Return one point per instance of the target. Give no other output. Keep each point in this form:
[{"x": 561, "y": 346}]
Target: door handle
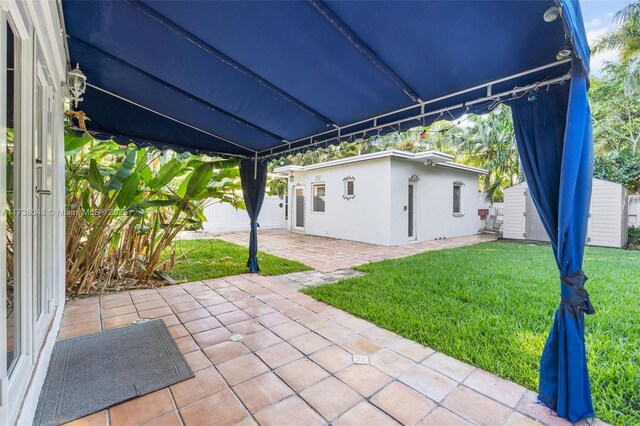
[{"x": 43, "y": 191}]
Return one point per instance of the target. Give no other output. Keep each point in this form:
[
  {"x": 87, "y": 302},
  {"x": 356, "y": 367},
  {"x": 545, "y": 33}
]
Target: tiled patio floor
[
  {"x": 330, "y": 254},
  {"x": 295, "y": 365}
]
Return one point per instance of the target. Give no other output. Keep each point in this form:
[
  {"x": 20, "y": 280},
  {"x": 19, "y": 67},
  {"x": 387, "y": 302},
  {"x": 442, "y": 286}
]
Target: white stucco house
[{"x": 388, "y": 198}]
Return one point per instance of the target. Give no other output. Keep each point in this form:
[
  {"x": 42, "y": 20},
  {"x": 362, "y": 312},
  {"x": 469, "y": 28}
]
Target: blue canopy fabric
[
  {"x": 555, "y": 142},
  {"x": 262, "y": 79},
  {"x": 253, "y": 174},
  {"x": 236, "y": 78}
]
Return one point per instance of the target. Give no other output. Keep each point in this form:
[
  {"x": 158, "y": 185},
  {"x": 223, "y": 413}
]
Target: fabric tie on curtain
[
  {"x": 253, "y": 175},
  {"x": 555, "y": 143}
]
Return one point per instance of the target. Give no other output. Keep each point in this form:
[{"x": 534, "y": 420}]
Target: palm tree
[
  {"x": 627, "y": 37},
  {"x": 490, "y": 143}
]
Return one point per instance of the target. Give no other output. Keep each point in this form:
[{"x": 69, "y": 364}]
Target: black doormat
[{"x": 90, "y": 373}]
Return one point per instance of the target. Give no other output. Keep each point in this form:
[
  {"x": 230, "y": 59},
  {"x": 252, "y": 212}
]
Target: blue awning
[
  {"x": 259, "y": 79},
  {"x": 247, "y": 78}
]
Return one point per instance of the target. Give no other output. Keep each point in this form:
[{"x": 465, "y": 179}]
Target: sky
[{"x": 598, "y": 19}]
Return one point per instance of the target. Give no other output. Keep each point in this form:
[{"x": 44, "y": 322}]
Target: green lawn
[
  {"x": 213, "y": 258},
  {"x": 492, "y": 305}
]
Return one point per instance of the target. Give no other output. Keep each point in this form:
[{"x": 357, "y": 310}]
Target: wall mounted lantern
[{"x": 77, "y": 83}]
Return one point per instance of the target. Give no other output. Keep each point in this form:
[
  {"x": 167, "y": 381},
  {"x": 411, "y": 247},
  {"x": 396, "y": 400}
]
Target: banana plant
[{"x": 126, "y": 205}]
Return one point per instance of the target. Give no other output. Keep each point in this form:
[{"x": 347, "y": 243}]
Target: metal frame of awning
[
  {"x": 316, "y": 140},
  {"x": 340, "y": 133}
]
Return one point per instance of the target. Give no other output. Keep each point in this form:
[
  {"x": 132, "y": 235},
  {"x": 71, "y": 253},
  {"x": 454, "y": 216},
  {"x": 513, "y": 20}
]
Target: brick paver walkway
[
  {"x": 295, "y": 365},
  {"x": 330, "y": 254}
]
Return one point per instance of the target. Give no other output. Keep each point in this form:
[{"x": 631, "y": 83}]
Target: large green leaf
[
  {"x": 155, "y": 203},
  {"x": 128, "y": 191},
  {"x": 96, "y": 181},
  {"x": 124, "y": 171},
  {"x": 199, "y": 180},
  {"x": 166, "y": 173},
  {"x": 86, "y": 205},
  {"x": 74, "y": 143}
]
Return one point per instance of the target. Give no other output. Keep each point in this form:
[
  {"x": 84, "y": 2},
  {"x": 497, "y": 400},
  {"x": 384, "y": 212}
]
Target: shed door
[{"x": 535, "y": 231}]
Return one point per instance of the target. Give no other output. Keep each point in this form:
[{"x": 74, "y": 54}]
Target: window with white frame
[
  {"x": 318, "y": 197},
  {"x": 457, "y": 198},
  {"x": 349, "y": 188}
]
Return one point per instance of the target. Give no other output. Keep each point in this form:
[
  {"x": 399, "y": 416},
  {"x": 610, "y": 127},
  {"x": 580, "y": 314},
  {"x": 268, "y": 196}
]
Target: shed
[{"x": 608, "y": 215}]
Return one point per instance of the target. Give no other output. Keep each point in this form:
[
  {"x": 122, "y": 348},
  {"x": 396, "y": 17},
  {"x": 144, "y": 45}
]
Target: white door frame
[
  {"x": 411, "y": 210},
  {"x": 294, "y": 223}
]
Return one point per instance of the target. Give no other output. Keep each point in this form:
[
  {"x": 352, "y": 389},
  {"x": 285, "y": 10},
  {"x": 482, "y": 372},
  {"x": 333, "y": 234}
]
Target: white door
[
  {"x": 299, "y": 205},
  {"x": 411, "y": 214}
]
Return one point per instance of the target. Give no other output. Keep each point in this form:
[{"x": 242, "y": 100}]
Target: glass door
[{"x": 11, "y": 291}]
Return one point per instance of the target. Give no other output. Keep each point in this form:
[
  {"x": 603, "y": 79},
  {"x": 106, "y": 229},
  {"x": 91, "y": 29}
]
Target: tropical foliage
[
  {"x": 483, "y": 141},
  {"x": 127, "y": 204}
]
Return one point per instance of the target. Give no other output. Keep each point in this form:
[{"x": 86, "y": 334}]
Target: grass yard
[
  {"x": 214, "y": 258},
  {"x": 492, "y": 305}
]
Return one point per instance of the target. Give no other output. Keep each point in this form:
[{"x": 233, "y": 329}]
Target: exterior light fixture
[
  {"x": 77, "y": 83},
  {"x": 551, "y": 14},
  {"x": 564, "y": 53}
]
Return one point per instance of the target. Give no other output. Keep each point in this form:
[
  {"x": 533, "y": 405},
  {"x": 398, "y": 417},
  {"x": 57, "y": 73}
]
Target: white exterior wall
[
  {"x": 433, "y": 195},
  {"x": 515, "y": 201},
  {"x": 362, "y": 218},
  {"x": 377, "y": 213},
  {"x": 222, "y": 217},
  {"x": 40, "y": 54}
]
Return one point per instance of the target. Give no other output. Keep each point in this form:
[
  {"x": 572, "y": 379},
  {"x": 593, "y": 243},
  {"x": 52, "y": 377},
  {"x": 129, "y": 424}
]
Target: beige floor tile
[
  {"x": 261, "y": 339},
  {"x": 359, "y": 345},
  {"x": 225, "y": 351},
  {"x": 289, "y": 330},
  {"x": 280, "y": 414},
  {"x": 262, "y": 392},
  {"x": 448, "y": 366},
  {"x": 333, "y": 358},
  {"x": 242, "y": 368},
  {"x": 391, "y": 362},
  {"x": 221, "y": 409},
  {"x": 517, "y": 419},
  {"x": 444, "y": 417},
  {"x": 211, "y": 337},
  {"x": 142, "y": 409},
  {"x": 197, "y": 360},
  {"x": 279, "y": 354},
  {"x": 245, "y": 327},
  {"x": 96, "y": 419},
  {"x": 504, "y": 391},
  {"x": 334, "y": 332},
  {"x": 171, "y": 419},
  {"x": 202, "y": 324},
  {"x": 301, "y": 374},
  {"x": 380, "y": 336},
  {"x": 410, "y": 349},
  {"x": 193, "y": 315},
  {"x": 309, "y": 342},
  {"x": 205, "y": 383},
  {"x": 476, "y": 407},
  {"x": 364, "y": 414},
  {"x": 366, "y": 379},
  {"x": 428, "y": 382},
  {"x": 232, "y": 317},
  {"x": 330, "y": 397},
  {"x": 403, "y": 403}
]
